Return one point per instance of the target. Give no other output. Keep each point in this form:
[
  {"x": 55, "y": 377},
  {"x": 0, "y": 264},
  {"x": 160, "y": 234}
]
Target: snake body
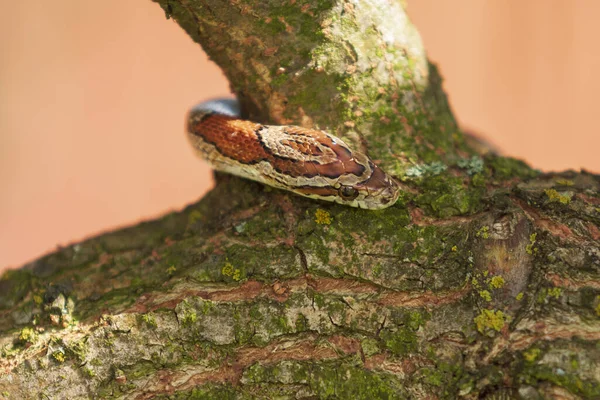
[{"x": 308, "y": 162}]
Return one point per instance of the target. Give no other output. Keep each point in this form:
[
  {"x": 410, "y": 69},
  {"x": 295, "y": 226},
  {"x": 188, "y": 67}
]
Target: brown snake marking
[{"x": 308, "y": 162}]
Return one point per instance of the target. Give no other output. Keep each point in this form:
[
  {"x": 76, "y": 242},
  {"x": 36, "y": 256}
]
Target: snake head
[{"x": 308, "y": 162}]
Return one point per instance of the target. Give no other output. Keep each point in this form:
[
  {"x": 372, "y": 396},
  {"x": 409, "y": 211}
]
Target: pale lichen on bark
[{"x": 483, "y": 281}]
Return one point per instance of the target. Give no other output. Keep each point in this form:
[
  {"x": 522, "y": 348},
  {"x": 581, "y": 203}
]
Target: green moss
[
  {"x": 398, "y": 242},
  {"x": 531, "y": 354},
  {"x": 301, "y": 323},
  {"x": 370, "y": 347},
  {"x": 519, "y": 296},
  {"x": 483, "y": 232},
  {"x": 489, "y": 319},
  {"x": 544, "y": 293},
  {"x": 401, "y": 342},
  {"x": 564, "y": 182},
  {"x": 541, "y": 296},
  {"x": 323, "y": 380},
  {"x": 189, "y": 318},
  {"x": 597, "y": 308},
  {"x": 28, "y": 335},
  {"x": 228, "y": 269},
  {"x": 486, "y": 295},
  {"x": 446, "y": 195},
  {"x": 280, "y": 323},
  {"x": 59, "y": 356},
  {"x": 314, "y": 96},
  {"x": 207, "y": 307},
  {"x": 556, "y": 197},
  {"x": 446, "y": 376},
  {"x": 194, "y": 216},
  {"x": 509, "y": 168},
  {"x": 433, "y": 376},
  {"x": 574, "y": 363},
  {"x": 572, "y": 382},
  {"x": 478, "y": 180},
  {"x": 415, "y": 319},
  {"x": 554, "y": 292},
  {"x": 37, "y": 299},
  {"x": 211, "y": 391},
  {"x": 78, "y": 349},
  {"x": 404, "y": 340},
  {"x": 237, "y": 275},
  {"x": 95, "y": 362},
  {"x": 262, "y": 263},
  {"x": 322, "y": 217},
  {"x": 529, "y": 248},
  {"x": 149, "y": 320},
  {"x": 497, "y": 282},
  {"x": 171, "y": 270},
  {"x": 387, "y": 223}
]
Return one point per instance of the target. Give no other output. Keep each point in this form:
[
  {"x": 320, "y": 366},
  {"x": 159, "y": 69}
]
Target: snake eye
[{"x": 348, "y": 192}]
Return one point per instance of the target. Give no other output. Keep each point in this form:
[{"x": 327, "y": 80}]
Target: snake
[{"x": 308, "y": 162}]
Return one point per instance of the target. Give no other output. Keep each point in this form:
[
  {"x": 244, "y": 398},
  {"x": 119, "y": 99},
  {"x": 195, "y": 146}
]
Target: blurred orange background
[{"x": 93, "y": 96}]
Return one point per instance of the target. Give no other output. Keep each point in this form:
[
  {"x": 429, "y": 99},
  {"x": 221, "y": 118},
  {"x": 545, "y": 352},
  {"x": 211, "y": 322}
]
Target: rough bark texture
[{"x": 483, "y": 281}]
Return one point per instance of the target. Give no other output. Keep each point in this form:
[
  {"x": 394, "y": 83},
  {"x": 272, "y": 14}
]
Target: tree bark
[{"x": 483, "y": 281}]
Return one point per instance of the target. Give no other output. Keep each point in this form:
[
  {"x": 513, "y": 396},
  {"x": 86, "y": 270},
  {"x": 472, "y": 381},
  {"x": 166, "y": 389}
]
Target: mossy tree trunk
[{"x": 483, "y": 280}]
